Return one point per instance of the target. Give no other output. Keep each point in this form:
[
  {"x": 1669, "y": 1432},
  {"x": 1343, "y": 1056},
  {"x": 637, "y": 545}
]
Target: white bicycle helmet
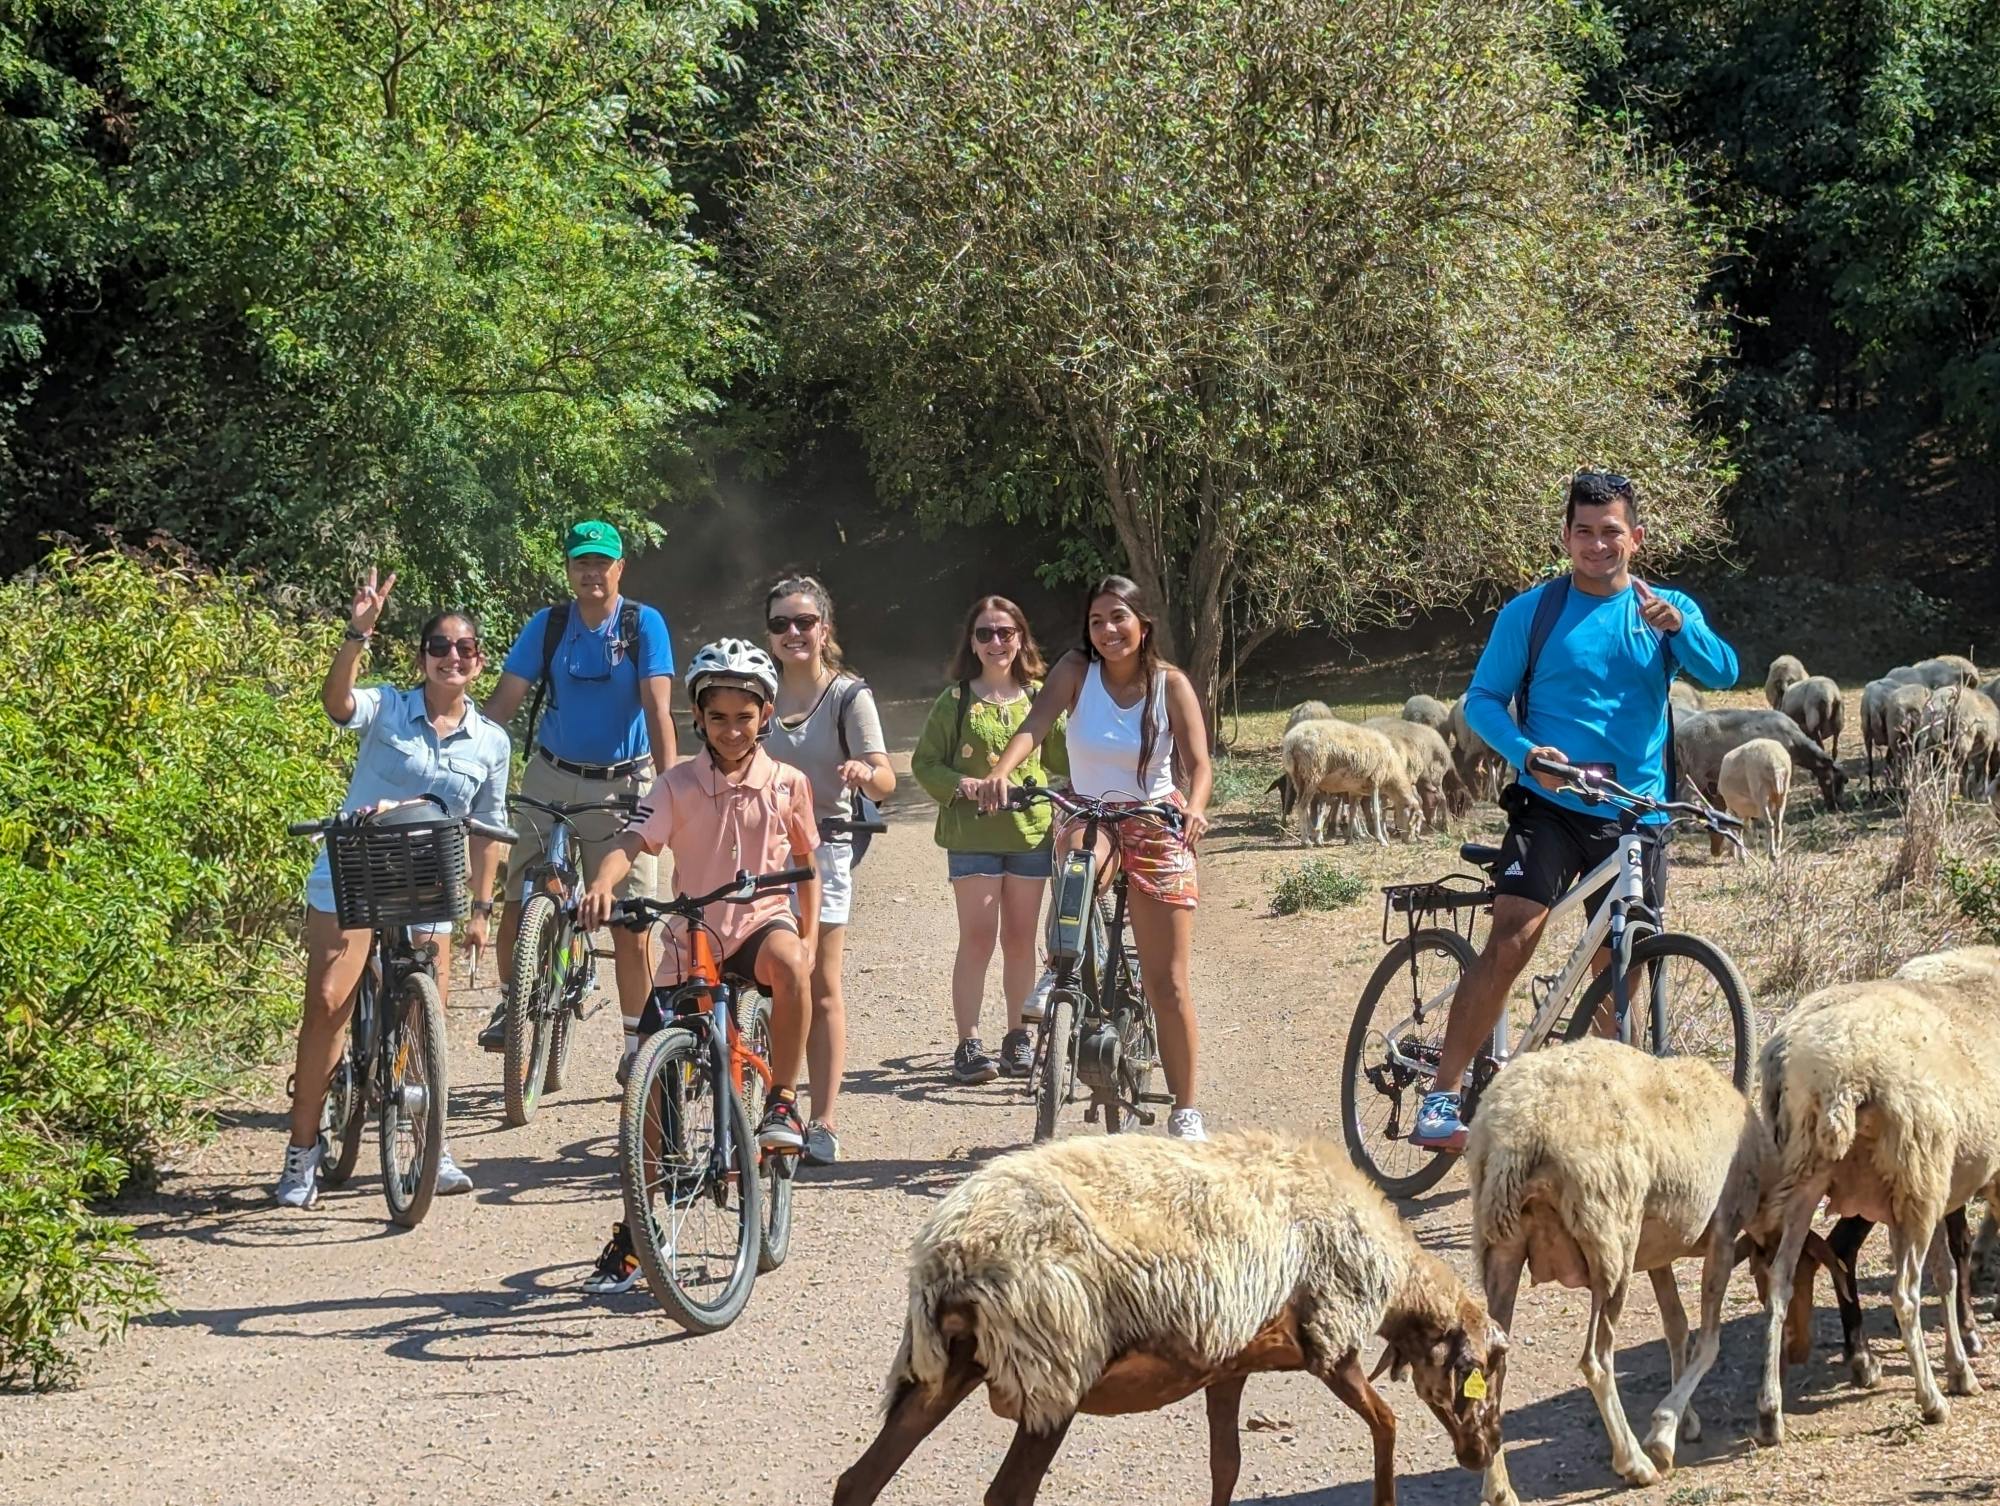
[{"x": 735, "y": 663}]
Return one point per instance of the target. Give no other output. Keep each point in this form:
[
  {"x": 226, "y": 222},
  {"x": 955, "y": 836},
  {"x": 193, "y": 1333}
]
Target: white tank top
[{"x": 1104, "y": 741}]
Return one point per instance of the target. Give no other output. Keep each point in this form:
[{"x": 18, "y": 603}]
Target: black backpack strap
[
  {"x": 1549, "y": 601},
  {"x": 628, "y": 626},
  {"x": 553, "y": 629}
]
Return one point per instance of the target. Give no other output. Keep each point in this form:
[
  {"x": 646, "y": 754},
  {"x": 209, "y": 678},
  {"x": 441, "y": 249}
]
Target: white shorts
[{"x": 834, "y": 862}]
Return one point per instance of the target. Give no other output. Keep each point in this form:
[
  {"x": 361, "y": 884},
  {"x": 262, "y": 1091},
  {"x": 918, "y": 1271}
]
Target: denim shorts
[{"x": 1028, "y": 865}]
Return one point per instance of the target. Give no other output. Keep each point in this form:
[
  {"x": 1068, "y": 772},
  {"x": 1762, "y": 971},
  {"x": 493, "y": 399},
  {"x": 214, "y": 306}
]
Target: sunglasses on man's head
[
  {"x": 805, "y": 622},
  {"x": 437, "y": 646},
  {"x": 993, "y": 634}
]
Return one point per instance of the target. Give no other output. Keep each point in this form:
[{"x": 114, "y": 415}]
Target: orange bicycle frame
[{"x": 706, "y": 969}]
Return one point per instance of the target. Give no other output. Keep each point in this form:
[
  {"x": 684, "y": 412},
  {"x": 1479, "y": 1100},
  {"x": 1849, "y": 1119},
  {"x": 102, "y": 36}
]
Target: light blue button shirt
[{"x": 402, "y": 757}]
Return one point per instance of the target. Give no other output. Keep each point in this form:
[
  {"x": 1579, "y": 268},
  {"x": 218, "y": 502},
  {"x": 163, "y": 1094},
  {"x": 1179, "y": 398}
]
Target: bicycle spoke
[
  {"x": 1697, "y": 1012},
  {"x": 698, "y": 1233}
]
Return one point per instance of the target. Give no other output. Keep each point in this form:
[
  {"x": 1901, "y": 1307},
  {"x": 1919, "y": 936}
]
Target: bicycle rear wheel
[
  {"x": 344, "y": 1119},
  {"x": 1057, "y": 1078},
  {"x": 1379, "y": 1094},
  {"x": 413, "y": 1107},
  {"x": 534, "y": 986},
  {"x": 695, "y": 1223},
  {"x": 774, "y": 1171},
  {"x": 1706, "y": 1008}
]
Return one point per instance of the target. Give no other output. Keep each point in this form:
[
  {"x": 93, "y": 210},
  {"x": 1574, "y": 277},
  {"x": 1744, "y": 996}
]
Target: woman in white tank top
[{"x": 1129, "y": 715}]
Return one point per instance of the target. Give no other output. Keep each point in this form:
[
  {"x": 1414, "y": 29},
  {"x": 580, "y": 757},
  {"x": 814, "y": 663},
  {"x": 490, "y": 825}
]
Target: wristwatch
[
  {"x": 482, "y": 907},
  {"x": 353, "y": 637}
]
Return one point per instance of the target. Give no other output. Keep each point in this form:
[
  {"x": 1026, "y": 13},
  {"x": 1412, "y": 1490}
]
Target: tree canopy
[
  {"x": 301, "y": 281},
  {"x": 1311, "y": 304}
]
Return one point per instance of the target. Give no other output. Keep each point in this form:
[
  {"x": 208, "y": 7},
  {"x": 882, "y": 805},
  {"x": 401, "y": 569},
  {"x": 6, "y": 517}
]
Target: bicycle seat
[{"x": 1479, "y": 855}]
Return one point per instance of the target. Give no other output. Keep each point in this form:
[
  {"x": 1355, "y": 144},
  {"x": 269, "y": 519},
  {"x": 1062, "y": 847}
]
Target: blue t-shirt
[
  {"x": 592, "y": 713},
  {"x": 1600, "y": 686}
]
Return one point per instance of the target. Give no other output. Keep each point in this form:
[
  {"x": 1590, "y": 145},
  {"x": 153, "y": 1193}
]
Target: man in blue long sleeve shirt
[{"x": 1599, "y": 695}]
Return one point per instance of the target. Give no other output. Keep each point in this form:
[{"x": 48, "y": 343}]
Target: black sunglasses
[
  {"x": 805, "y": 622},
  {"x": 437, "y": 646},
  {"x": 989, "y": 634}
]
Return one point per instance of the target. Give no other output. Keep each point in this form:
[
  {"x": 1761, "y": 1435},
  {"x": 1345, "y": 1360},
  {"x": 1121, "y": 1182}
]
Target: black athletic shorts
[
  {"x": 740, "y": 964},
  {"x": 1548, "y": 847}
]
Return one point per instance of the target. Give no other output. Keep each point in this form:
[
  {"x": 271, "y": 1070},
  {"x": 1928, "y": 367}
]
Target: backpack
[
  {"x": 865, "y": 808},
  {"x": 1549, "y": 602},
  {"x": 552, "y": 636}
]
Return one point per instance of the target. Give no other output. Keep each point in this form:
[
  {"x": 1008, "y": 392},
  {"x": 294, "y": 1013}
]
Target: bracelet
[{"x": 353, "y": 637}]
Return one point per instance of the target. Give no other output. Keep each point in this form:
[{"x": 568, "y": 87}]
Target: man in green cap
[{"x": 603, "y": 669}]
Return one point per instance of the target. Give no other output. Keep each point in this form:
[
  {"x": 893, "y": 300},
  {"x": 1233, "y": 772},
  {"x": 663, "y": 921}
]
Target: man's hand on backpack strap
[{"x": 1657, "y": 610}]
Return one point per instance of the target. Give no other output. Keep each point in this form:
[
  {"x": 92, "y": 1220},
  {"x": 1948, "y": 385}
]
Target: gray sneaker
[
  {"x": 1037, "y": 1003},
  {"x": 822, "y": 1145},
  {"x": 451, "y": 1176},
  {"x": 298, "y": 1183},
  {"x": 493, "y": 1037},
  {"x": 970, "y": 1063},
  {"x": 1017, "y": 1054}
]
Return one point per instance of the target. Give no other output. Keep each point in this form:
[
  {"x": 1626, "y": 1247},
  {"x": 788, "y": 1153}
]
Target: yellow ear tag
[{"x": 1475, "y": 1387}]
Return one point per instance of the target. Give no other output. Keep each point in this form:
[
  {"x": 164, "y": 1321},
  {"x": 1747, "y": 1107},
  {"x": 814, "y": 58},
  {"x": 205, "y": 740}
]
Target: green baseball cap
[{"x": 593, "y": 538}]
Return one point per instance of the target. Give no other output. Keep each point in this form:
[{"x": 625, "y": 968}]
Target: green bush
[
  {"x": 1315, "y": 884},
  {"x": 1976, "y": 888},
  {"x": 158, "y": 726}
]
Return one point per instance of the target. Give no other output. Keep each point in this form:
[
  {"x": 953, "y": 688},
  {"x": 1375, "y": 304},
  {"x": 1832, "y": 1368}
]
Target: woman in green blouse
[{"x": 999, "y": 862}]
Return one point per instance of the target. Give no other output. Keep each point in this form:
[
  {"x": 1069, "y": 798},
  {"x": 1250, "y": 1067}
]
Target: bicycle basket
[{"x": 410, "y": 874}]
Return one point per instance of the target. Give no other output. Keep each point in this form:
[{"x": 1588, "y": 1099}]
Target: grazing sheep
[
  {"x": 1701, "y": 742},
  {"x": 1906, "y": 674},
  {"x": 1947, "y": 669},
  {"x": 1785, "y": 672},
  {"x": 1875, "y": 697},
  {"x": 1428, "y": 711},
  {"x": 1815, "y": 704},
  {"x": 1426, "y": 759},
  {"x": 1880, "y": 1097},
  {"x": 1902, "y": 723},
  {"x": 1121, "y": 1274},
  {"x": 1755, "y": 781},
  {"x": 1339, "y": 758},
  {"x": 1684, "y": 696},
  {"x": 1309, "y": 711},
  {"x": 1586, "y": 1199},
  {"x": 1963, "y": 726},
  {"x": 1479, "y": 768},
  {"x": 1305, "y": 711}
]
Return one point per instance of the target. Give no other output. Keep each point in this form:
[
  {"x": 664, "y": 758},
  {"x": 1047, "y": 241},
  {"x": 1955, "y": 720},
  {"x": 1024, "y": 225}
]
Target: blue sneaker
[{"x": 1437, "y": 1123}]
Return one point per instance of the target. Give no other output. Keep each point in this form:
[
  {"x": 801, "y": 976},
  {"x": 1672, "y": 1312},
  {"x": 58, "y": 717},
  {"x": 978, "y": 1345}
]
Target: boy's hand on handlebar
[
  {"x": 594, "y": 908},
  {"x": 1540, "y": 756}
]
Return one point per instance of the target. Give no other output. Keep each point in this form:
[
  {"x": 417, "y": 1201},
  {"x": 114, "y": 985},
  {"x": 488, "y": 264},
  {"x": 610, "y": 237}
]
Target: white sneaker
[
  {"x": 1185, "y": 1124},
  {"x": 1038, "y": 997},
  {"x": 298, "y": 1185},
  {"x": 451, "y": 1176}
]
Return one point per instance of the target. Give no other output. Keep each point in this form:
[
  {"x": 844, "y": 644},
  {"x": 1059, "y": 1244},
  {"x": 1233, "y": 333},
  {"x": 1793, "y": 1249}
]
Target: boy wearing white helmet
[{"x": 728, "y": 809}]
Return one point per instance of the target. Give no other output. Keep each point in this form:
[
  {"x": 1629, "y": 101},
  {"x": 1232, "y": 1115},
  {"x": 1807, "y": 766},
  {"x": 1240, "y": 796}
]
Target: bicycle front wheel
[
  {"x": 413, "y": 1104},
  {"x": 694, "y": 1213},
  {"x": 562, "y": 1029},
  {"x": 1704, "y": 1004},
  {"x": 1057, "y": 1078},
  {"x": 534, "y": 987},
  {"x": 774, "y": 1170},
  {"x": 1392, "y": 1055}
]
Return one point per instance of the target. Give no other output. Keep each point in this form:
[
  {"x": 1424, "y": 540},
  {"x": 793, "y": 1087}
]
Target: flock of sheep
[
  {"x": 1426, "y": 765},
  {"x": 1125, "y": 1273}
]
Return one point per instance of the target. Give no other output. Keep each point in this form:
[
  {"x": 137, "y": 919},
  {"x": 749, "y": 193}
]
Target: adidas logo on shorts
[{"x": 1513, "y": 870}]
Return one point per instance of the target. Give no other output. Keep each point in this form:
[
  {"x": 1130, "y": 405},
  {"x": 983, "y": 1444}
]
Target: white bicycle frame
[{"x": 1625, "y": 871}]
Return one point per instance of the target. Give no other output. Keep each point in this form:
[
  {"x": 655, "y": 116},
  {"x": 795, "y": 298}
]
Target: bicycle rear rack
[{"x": 1458, "y": 896}]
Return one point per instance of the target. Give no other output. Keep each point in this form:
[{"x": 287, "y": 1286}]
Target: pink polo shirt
[{"x": 715, "y": 828}]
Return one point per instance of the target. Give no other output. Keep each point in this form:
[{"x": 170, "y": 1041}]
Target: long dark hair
[
  {"x": 830, "y": 656},
  {"x": 1150, "y": 662},
  {"x": 1027, "y": 666},
  {"x": 436, "y": 621}
]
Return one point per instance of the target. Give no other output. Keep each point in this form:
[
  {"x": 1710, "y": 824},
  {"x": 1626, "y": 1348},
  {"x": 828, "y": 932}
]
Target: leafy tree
[
  {"x": 306, "y": 281},
  {"x": 1310, "y": 304}
]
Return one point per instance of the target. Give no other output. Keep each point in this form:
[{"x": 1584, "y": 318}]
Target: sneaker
[
  {"x": 1185, "y": 1124},
  {"x": 298, "y": 1184},
  {"x": 625, "y": 1067},
  {"x": 970, "y": 1063},
  {"x": 1437, "y": 1123},
  {"x": 781, "y": 1129},
  {"x": 451, "y": 1176},
  {"x": 494, "y": 1036},
  {"x": 1017, "y": 1054},
  {"x": 617, "y": 1269},
  {"x": 822, "y": 1145},
  {"x": 1038, "y": 998}
]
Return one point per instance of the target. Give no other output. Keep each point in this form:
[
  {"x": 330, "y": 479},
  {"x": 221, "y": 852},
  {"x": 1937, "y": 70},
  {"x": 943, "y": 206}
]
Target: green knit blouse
[{"x": 939, "y": 764}]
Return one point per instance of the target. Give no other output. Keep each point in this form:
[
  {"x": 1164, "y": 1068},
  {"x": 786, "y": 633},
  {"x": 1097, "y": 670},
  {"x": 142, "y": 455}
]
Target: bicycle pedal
[
  {"x": 604, "y": 953},
  {"x": 1155, "y": 1098},
  {"x": 1090, "y": 1114},
  {"x": 1145, "y": 1116}
]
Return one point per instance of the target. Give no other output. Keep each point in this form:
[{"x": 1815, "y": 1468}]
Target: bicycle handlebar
[
  {"x": 1593, "y": 785},
  {"x": 1170, "y": 816},
  {"x": 473, "y": 825},
  {"x": 637, "y": 914},
  {"x": 623, "y": 805},
  {"x": 833, "y": 825}
]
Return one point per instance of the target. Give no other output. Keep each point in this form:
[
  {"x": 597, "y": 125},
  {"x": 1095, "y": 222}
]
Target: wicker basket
[{"x": 406, "y": 875}]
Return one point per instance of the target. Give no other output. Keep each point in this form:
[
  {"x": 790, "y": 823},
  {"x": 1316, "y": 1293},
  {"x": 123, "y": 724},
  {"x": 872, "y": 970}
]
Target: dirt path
[{"x": 324, "y": 1357}]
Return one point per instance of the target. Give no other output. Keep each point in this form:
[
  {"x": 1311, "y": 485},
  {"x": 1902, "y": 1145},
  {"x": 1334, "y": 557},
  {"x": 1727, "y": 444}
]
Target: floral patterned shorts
[{"x": 1157, "y": 862}]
